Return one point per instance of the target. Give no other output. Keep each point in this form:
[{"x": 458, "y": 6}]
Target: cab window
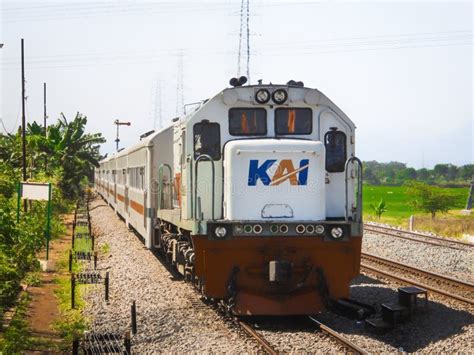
[
  {"x": 293, "y": 121},
  {"x": 247, "y": 121},
  {"x": 336, "y": 154},
  {"x": 207, "y": 139}
]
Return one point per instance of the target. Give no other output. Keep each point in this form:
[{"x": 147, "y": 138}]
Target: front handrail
[
  {"x": 160, "y": 183},
  {"x": 358, "y": 215},
  {"x": 198, "y": 160}
]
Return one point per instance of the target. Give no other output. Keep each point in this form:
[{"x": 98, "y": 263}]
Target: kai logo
[{"x": 285, "y": 171}]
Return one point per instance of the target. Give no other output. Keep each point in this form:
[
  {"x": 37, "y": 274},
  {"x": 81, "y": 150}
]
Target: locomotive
[{"x": 255, "y": 196}]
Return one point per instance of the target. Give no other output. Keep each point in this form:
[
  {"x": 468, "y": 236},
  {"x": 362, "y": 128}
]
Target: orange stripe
[
  {"x": 121, "y": 197},
  {"x": 136, "y": 206}
]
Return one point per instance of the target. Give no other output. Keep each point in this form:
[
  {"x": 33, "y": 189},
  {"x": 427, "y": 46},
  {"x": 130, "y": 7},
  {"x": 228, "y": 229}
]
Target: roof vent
[{"x": 146, "y": 134}]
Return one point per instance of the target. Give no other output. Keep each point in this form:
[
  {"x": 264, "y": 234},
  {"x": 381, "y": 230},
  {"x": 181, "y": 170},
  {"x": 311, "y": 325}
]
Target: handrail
[
  {"x": 160, "y": 183},
  {"x": 198, "y": 160},
  {"x": 359, "y": 188}
]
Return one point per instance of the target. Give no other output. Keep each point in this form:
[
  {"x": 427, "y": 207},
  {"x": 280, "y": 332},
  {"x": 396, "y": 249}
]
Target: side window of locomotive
[
  {"x": 293, "y": 121},
  {"x": 336, "y": 153},
  {"x": 247, "y": 121},
  {"x": 207, "y": 139}
]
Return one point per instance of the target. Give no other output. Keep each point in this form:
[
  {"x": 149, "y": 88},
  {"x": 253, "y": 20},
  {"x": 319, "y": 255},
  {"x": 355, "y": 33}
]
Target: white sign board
[{"x": 35, "y": 191}]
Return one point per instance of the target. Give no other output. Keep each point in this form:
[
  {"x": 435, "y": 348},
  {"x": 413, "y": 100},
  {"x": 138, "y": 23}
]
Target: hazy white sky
[{"x": 403, "y": 71}]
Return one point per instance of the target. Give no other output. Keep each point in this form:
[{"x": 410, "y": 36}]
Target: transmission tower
[
  {"x": 157, "y": 109},
  {"x": 180, "y": 87},
  {"x": 244, "y": 38}
]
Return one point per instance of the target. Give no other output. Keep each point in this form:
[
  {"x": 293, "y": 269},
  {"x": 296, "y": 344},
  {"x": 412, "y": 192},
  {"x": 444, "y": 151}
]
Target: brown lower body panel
[{"x": 240, "y": 268}]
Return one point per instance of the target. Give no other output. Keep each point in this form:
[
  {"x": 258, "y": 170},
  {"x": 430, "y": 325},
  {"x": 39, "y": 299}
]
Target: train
[{"x": 253, "y": 195}]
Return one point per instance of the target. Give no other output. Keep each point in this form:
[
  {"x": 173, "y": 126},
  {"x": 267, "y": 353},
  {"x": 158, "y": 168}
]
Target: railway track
[
  {"x": 251, "y": 332},
  {"x": 418, "y": 237},
  {"x": 331, "y": 333},
  {"x": 444, "y": 285},
  {"x": 349, "y": 345}
]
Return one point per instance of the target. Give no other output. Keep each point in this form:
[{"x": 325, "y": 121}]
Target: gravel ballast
[
  {"x": 167, "y": 320},
  {"x": 451, "y": 262},
  {"x": 170, "y": 322}
]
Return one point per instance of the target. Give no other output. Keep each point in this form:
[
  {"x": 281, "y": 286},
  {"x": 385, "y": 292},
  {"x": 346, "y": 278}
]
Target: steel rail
[
  {"x": 417, "y": 283},
  {"x": 393, "y": 231},
  {"x": 442, "y": 277},
  {"x": 261, "y": 340},
  {"x": 339, "y": 337}
]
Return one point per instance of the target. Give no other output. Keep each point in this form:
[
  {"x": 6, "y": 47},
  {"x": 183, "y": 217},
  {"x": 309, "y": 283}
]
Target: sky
[{"x": 402, "y": 71}]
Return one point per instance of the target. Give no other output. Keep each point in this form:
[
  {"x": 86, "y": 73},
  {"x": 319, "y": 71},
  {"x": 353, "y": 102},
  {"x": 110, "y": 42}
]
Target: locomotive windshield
[
  {"x": 207, "y": 139},
  {"x": 293, "y": 121},
  {"x": 247, "y": 121}
]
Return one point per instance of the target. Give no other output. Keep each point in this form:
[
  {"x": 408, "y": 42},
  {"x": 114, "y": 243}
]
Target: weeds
[{"x": 105, "y": 248}]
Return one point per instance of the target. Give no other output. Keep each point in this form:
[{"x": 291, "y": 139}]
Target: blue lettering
[{"x": 259, "y": 172}]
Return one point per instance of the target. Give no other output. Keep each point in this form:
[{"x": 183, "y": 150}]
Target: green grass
[{"x": 399, "y": 207}]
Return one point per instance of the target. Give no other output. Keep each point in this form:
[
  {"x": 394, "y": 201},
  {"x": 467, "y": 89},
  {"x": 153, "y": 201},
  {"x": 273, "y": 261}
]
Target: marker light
[
  {"x": 257, "y": 229},
  {"x": 274, "y": 228},
  {"x": 310, "y": 229},
  {"x": 279, "y": 96},
  {"x": 300, "y": 228},
  {"x": 284, "y": 228},
  {"x": 262, "y": 96},
  {"x": 239, "y": 229},
  {"x": 220, "y": 232},
  {"x": 337, "y": 232},
  {"x": 248, "y": 228}
]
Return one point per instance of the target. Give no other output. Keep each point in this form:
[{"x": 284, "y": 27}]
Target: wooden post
[
  {"x": 411, "y": 223},
  {"x": 134, "y": 318},
  {"x": 73, "y": 291},
  {"x": 70, "y": 260},
  {"x": 127, "y": 343},
  {"x": 107, "y": 286},
  {"x": 75, "y": 346}
]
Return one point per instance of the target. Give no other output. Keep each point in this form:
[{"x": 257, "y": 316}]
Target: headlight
[
  {"x": 239, "y": 229},
  {"x": 262, "y": 96},
  {"x": 319, "y": 229},
  {"x": 220, "y": 232},
  {"x": 279, "y": 96},
  {"x": 337, "y": 232}
]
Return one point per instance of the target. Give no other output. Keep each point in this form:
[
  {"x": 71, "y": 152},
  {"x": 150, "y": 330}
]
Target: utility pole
[
  {"x": 23, "y": 118},
  {"x": 44, "y": 104},
  {"x": 118, "y": 123}
]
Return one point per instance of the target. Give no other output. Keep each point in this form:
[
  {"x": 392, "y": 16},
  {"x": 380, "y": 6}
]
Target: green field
[{"x": 398, "y": 202}]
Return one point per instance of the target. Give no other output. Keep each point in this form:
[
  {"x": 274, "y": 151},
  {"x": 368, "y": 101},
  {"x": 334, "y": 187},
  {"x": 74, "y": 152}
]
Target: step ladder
[{"x": 396, "y": 313}]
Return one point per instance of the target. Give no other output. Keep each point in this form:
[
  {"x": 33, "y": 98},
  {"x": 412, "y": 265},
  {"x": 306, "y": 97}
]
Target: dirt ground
[{"x": 43, "y": 308}]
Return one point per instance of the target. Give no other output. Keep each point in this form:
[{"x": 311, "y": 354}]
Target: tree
[
  {"x": 430, "y": 199},
  {"x": 379, "y": 209},
  {"x": 66, "y": 152},
  {"x": 423, "y": 174},
  {"x": 441, "y": 170}
]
